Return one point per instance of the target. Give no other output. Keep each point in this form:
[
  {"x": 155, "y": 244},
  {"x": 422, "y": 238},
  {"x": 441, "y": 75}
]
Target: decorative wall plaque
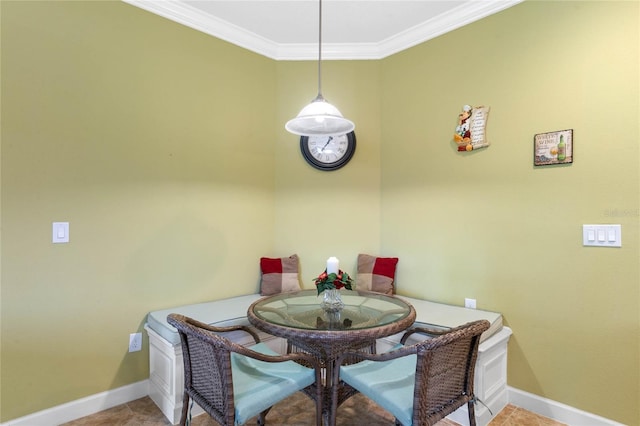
[
  {"x": 553, "y": 148},
  {"x": 471, "y": 129}
]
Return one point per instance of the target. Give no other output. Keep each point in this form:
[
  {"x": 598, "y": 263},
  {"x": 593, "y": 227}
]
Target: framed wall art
[
  {"x": 470, "y": 132},
  {"x": 553, "y": 148}
]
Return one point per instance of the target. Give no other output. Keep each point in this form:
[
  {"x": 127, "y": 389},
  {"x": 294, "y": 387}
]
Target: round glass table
[
  {"x": 296, "y": 312},
  {"x": 300, "y": 318}
]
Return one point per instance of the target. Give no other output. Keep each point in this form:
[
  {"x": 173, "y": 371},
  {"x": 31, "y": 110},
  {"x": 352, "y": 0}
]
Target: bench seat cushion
[
  {"x": 439, "y": 314},
  {"x": 232, "y": 310}
]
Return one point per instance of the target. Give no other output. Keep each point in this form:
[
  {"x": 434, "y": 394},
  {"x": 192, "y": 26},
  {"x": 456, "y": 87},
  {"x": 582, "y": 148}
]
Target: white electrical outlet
[
  {"x": 469, "y": 303},
  {"x": 135, "y": 342}
]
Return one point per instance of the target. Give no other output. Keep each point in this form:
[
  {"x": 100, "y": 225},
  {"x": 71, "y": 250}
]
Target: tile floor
[{"x": 296, "y": 411}]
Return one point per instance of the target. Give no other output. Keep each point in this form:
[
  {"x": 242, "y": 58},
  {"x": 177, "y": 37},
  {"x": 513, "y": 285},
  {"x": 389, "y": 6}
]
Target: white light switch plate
[
  {"x": 602, "y": 235},
  {"x": 60, "y": 232}
]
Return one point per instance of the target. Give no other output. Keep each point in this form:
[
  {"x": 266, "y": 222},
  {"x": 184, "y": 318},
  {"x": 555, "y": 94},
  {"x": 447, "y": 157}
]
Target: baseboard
[
  {"x": 105, "y": 400},
  {"x": 83, "y": 407},
  {"x": 556, "y": 410}
]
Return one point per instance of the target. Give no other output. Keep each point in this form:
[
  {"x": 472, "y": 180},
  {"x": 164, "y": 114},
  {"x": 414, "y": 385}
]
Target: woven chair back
[
  {"x": 444, "y": 373},
  {"x": 207, "y": 368}
]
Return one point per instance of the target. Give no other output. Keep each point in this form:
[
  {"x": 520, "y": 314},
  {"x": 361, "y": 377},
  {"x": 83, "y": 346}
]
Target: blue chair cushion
[
  {"x": 390, "y": 384},
  {"x": 257, "y": 385}
]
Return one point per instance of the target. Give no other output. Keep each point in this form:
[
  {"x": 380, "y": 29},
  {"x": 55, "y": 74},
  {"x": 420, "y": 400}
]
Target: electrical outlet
[
  {"x": 135, "y": 342},
  {"x": 469, "y": 303}
]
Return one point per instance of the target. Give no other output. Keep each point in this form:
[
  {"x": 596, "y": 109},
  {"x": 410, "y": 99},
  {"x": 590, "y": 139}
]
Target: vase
[{"x": 331, "y": 301}]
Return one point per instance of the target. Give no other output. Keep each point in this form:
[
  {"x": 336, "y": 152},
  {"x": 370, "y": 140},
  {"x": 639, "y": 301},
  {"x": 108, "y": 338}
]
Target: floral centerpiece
[{"x": 333, "y": 281}]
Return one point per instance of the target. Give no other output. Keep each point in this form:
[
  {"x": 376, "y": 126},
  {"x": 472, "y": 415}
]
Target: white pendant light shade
[{"x": 319, "y": 118}]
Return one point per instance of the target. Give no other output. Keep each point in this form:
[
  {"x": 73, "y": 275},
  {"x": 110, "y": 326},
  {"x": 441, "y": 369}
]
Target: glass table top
[{"x": 302, "y": 310}]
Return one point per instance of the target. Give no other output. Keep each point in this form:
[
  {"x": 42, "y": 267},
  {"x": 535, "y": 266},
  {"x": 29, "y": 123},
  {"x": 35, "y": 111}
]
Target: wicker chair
[
  {"x": 233, "y": 383},
  {"x": 421, "y": 383}
]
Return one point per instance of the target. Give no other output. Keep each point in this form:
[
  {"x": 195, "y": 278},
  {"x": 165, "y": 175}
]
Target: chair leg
[
  {"x": 472, "y": 412},
  {"x": 319, "y": 410},
  {"x": 262, "y": 417},
  {"x": 185, "y": 409}
]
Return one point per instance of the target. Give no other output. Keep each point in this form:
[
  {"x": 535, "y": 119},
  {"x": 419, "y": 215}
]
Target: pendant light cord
[
  {"x": 319, "y": 118},
  {"x": 320, "y": 49}
]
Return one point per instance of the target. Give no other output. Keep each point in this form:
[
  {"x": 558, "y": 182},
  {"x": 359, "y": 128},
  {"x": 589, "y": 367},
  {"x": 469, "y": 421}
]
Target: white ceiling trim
[
  {"x": 193, "y": 18},
  {"x": 438, "y": 25},
  {"x": 460, "y": 16}
]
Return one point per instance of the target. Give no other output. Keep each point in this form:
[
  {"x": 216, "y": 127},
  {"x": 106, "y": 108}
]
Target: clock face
[{"x": 328, "y": 152}]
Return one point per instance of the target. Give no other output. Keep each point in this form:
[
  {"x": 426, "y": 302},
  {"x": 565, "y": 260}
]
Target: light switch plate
[
  {"x": 60, "y": 232},
  {"x": 602, "y": 235}
]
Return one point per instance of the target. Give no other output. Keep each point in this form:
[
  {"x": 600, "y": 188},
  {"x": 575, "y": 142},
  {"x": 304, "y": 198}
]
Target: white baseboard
[
  {"x": 83, "y": 407},
  {"x": 105, "y": 400},
  {"x": 555, "y": 410}
]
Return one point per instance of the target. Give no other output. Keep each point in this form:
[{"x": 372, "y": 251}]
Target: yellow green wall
[
  {"x": 156, "y": 143},
  {"x": 321, "y": 214},
  {"x": 165, "y": 150},
  {"x": 489, "y": 225}
]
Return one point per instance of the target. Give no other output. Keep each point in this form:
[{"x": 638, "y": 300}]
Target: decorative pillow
[
  {"x": 279, "y": 275},
  {"x": 376, "y": 273}
]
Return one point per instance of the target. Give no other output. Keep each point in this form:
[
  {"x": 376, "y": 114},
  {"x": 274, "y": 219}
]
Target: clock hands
[{"x": 325, "y": 145}]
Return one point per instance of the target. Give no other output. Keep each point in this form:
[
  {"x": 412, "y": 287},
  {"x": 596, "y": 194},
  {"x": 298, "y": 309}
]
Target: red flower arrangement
[{"x": 333, "y": 281}]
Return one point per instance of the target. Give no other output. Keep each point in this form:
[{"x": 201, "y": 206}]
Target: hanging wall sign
[
  {"x": 471, "y": 129},
  {"x": 553, "y": 148}
]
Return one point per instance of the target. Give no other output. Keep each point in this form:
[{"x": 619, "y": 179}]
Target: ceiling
[{"x": 351, "y": 29}]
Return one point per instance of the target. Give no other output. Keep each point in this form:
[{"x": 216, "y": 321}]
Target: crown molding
[
  {"x": 438, "y": 25},
  {"x": 182, "y": 13}
]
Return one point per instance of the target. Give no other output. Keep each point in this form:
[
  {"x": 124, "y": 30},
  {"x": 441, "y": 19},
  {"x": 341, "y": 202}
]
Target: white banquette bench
[{"x": 166, "y": 376}]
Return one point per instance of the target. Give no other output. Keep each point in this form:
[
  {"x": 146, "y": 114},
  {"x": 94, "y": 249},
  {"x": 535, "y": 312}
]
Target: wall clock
[{"x": 328, "y": 152}]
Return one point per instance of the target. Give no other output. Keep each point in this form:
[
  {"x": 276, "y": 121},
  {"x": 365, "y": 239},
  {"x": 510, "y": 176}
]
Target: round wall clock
[{"x": 328, "y": 152}]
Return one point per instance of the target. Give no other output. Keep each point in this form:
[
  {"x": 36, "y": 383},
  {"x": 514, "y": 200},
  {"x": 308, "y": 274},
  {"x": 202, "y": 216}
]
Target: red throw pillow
[
  {"x": 376, "y": 273},
  {"x": 279, "y": 275}
]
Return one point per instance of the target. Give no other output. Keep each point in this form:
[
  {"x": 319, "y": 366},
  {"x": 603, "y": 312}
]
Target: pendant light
[{"x": 319, "y": 118}]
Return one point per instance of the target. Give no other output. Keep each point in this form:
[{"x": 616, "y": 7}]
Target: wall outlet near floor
[
  {"x": 135, "y": 342},
  {"x": 469, "y": 303}
]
